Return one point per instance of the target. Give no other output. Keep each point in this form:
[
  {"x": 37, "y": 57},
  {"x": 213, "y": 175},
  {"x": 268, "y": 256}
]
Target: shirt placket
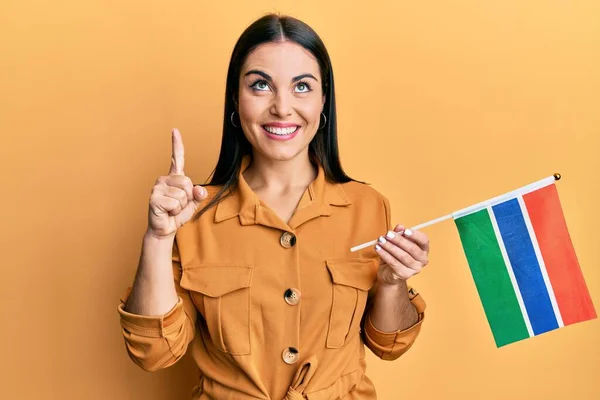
[{"x": 290, "y": 293}]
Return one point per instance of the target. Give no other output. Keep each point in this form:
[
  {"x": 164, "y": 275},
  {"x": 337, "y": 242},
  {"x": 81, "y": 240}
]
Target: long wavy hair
[{"x": 323, "y": 149}]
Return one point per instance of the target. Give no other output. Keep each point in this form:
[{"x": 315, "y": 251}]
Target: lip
[
  {"x": 278, "y": 137},
  {"x": 280, "y": 124}
]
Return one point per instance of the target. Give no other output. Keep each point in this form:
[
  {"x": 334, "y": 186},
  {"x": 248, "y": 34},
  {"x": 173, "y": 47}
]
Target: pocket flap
[
  {"x": 216, "y": 280},
  {"x": 360, "y": 273}
]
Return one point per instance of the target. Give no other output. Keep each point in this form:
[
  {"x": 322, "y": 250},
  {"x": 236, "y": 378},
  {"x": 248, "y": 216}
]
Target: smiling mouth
[{"x": 280, "y": 131}]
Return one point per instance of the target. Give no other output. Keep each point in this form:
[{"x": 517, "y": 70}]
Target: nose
[{"x": 282, "y": 104}]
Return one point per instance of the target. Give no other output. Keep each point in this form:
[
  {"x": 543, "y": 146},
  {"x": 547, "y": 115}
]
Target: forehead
[{"x": 283, "y": 59}]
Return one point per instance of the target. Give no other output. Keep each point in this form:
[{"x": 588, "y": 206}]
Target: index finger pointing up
[{"x": 177, "y": 158}]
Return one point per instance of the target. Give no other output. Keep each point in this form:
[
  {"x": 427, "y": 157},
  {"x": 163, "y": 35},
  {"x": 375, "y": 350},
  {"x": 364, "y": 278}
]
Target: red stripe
[{"x": 557, "y": 250}]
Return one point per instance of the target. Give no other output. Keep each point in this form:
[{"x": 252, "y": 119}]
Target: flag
[{"x": 523, "y": 263}]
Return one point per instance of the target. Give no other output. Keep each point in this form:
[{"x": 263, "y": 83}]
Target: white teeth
[{"x": 281, "y": 131}]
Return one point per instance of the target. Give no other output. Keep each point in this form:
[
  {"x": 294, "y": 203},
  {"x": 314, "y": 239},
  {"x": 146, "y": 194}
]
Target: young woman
[{"x": 253, "y": 271}]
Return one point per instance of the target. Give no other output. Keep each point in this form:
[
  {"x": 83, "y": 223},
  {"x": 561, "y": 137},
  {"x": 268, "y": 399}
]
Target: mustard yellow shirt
[{"x": 272, "y": 310}]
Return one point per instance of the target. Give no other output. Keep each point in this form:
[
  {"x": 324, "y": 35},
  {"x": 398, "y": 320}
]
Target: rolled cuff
[
  {"x": 149, "y": 325},
  {"x": 391, "y": 345}
]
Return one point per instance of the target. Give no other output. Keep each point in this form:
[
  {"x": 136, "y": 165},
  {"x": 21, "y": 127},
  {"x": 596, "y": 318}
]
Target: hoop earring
[
  {"x": 324, "y": 123},
  {"x": 231, "y": 118}
]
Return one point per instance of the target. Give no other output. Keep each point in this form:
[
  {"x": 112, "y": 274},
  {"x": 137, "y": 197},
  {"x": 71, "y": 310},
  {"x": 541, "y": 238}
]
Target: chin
[{"x": 282, "y": 154}]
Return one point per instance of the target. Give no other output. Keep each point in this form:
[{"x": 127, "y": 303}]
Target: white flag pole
[{"x": 525, "y": 189}]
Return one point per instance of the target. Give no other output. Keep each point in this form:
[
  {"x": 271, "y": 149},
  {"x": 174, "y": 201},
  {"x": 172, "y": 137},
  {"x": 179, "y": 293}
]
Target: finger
[
  {"x": 418, "y": 237},
  {"x": 177, "y": 156},
  {"x": 167, "y": 205},
  {"x": 182, "y": 182},
  {"x": 399, "y": 254},
  {"x": 400, "y": 270},
  {"x": 188, "y": 212},
  {"x": 407, "y": 245},
  {"x": 177, "y": 194}
]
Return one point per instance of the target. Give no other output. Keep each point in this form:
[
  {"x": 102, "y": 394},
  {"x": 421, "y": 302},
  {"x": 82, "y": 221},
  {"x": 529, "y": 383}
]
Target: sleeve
[
  {"x": 391, "y": 345},
  {"x": 156, "y": 342}
]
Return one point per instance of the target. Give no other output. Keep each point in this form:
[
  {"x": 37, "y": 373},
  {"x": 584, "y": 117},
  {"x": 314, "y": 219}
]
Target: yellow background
[{"x": 441, "y": 105}]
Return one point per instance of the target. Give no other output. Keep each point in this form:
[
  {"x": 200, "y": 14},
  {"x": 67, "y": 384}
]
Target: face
[{"x": 280, "y": 100}]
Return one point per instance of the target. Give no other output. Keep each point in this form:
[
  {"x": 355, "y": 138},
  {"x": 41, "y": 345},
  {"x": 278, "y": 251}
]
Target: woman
[{"x": 253, "y": 271}]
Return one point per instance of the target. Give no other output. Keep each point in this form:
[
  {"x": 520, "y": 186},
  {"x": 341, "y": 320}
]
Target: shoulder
[
  {"x": 369, "y": 203},
  {"x": 362, "y": 193}
]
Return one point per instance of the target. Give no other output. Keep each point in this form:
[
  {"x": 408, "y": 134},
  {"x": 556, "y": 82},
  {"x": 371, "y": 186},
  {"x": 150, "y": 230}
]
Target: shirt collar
[{"x": 246, "y": 205}]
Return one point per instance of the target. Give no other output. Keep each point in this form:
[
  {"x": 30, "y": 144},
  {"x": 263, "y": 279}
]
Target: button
[
  {"x": 290, "y": 355},
  {"x": 411, "y": 293},
  {"x": 292, "y": 296},
  {"x": 288, "y": 240}
]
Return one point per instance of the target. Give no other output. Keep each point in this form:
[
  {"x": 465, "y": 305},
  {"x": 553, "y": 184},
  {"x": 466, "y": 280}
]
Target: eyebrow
[{"x": 268, "y": 77}]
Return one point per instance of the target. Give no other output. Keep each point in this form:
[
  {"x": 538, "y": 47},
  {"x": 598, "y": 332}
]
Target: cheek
[
  {"x": 251, "y": 107},
  {"x": 310, "y": 112}
]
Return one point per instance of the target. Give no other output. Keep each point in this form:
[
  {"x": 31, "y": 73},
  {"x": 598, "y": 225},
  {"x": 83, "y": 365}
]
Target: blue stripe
[{"x": 525, "y": 266}]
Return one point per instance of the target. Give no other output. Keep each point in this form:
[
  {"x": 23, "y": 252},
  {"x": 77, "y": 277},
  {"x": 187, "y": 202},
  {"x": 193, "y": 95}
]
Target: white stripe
[
  {"x": 538, "y": 254},
  {"x": 506, "y": 196},
  {"x": 509, "y": 268}
]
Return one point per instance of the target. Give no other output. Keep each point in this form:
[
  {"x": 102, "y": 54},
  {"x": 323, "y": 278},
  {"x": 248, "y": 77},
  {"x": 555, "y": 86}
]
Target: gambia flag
[{"x": 523, "y": 263}]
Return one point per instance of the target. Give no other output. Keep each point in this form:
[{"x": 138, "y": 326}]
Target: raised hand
[{"x": 174, "y": 198}]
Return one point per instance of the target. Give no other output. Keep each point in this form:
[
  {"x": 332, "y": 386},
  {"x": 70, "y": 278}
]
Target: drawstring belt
[{"x": 303, "y": 376}]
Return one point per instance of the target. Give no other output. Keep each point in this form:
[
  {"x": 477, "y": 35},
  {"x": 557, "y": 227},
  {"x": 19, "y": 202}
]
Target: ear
[{"x": 324, "y": 99}]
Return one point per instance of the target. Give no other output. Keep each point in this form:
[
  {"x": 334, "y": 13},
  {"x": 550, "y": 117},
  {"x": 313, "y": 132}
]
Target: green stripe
[{"x": 491, "y": 277}]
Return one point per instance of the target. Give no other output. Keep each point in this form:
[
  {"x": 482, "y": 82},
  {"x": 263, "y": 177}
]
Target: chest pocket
[
  {"x": 222, "y": 295},
  {"x": 351, "y": 280}
]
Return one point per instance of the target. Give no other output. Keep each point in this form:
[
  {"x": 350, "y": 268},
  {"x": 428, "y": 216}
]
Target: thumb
[
  {"x": 199, "y": 194},
  {"x": 399, "y": 228},
  {"x": 192, "y": 206}
]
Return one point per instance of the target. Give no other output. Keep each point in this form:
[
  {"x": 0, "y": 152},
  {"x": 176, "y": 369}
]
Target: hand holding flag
[
  {"x": 404, "y": 253},
  {"x": 521, "y": 258}
]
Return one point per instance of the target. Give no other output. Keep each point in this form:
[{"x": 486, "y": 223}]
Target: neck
[{"x": 280, "y": 176}]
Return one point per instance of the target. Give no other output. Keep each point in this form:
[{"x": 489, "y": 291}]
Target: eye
[
  {"x": 303, "y": 86},
  {"x": 260, "y": 85}
]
